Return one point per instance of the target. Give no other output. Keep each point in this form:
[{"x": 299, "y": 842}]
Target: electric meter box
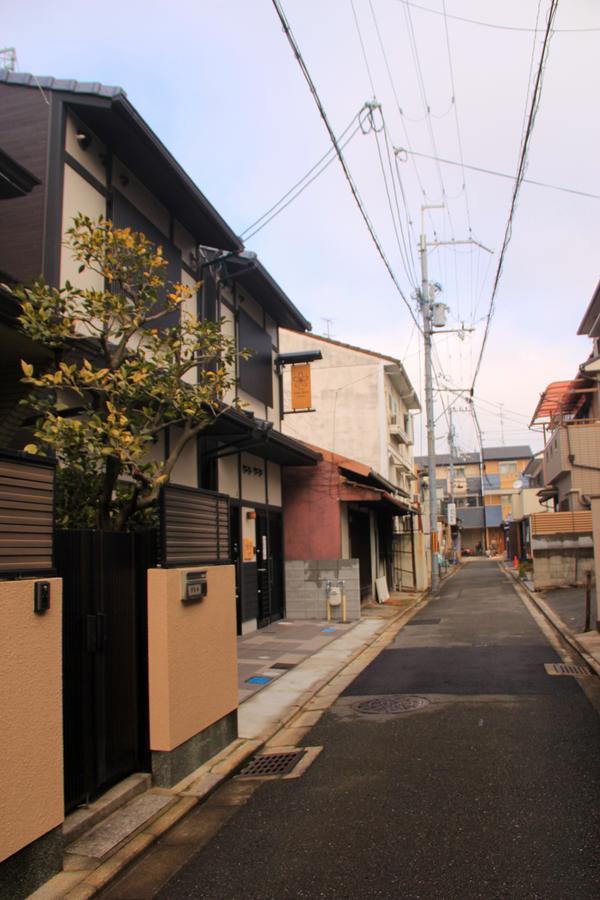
[{"x": 195, "y": 586}]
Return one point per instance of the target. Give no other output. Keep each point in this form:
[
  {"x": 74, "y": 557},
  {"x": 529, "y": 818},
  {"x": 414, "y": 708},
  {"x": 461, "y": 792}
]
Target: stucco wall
[
  {"x": 345, "y": 394},
  {"x": 31, "y": 751},
  {"x": 192, "y": 655},
  {"x": 312, "y": 521}
]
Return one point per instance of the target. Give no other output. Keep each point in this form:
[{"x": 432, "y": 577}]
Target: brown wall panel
[{"x": 24, "y": 120}]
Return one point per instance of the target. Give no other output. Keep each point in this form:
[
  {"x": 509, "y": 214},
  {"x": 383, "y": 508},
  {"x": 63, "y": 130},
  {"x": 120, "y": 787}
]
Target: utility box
[{"x": 195, "y": 586}]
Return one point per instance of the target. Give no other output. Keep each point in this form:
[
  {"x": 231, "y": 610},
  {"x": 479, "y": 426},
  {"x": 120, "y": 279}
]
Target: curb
[
  {"x": 556, "y": 622},
  {"x": 198, "y": 787}
]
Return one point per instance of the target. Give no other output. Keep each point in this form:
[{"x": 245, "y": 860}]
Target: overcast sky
[{"x": 219, "y": 84}]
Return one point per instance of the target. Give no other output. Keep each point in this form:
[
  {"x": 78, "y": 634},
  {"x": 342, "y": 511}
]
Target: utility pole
[
  {"x": 426, "y": 296},
  {"x": 502, "y": 424},
  {"x": 425, "y": 303}
]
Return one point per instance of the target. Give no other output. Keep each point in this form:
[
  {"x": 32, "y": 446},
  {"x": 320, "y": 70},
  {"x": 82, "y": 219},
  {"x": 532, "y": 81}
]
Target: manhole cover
[
  {"x": 423, "y": 622},
  {"x": 565, "y": 669},
  {"x": 390, "y": 704},
  {"x": 272, "y": 764}
]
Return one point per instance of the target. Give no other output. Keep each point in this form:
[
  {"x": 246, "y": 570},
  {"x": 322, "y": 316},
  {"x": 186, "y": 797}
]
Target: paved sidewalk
[{"x": 279, "y": 712}]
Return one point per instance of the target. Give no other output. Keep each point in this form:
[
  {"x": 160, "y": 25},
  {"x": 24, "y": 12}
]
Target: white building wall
[{"x": 345, "y": 386}]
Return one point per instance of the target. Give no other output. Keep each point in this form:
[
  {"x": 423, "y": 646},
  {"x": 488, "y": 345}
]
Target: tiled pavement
[{"x": 282, "y": 643}]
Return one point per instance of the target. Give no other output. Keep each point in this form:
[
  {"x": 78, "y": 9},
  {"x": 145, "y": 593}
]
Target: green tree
[{"x": 119, "y": 379}]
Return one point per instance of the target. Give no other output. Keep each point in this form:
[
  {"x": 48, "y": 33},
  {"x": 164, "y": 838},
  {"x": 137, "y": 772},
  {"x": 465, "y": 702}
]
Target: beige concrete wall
[
  {"x": 31, "y": 750},
  {"x": 192, "y": 655},
  {"x": 596, "y": 538}
]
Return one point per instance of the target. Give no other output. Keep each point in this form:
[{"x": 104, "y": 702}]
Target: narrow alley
[{"x": 489, "y": 788}]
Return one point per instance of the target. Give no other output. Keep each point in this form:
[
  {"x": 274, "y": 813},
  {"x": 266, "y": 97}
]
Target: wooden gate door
[{"x": 105, "y": 658}]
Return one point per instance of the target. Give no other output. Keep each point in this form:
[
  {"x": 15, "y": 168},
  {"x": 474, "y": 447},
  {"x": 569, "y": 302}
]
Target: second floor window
[{"x": 508, "y": 468}]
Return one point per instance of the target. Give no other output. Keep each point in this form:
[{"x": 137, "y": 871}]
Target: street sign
[
  {"x": 451, "y": 513},
  {"x": 301, "y": 395}
]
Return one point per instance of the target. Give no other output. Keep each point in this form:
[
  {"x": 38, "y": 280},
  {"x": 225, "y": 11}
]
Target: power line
[
  {"x": 520, "y": 175},
  {"x": 300, "y": 182},
  {"x": 437, "y": 12},
  {"x": 544, "y": 184},
  {"x": 349, "y": 179},
  {"x": 460, "y": 147},
  {"x": 405, "y": 254}
]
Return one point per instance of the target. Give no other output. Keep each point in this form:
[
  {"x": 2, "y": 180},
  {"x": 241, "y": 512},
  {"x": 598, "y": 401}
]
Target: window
[
  {"x": 505, "y": 500},
  {"x": 508, "y": 468},
  {"x": 392, "y": 410}
]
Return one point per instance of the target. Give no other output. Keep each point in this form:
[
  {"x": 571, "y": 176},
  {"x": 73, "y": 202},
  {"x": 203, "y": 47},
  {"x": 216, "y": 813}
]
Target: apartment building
[{"x": 483, "y": 491}]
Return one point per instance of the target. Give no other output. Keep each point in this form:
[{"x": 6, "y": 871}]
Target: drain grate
[
  {"x": 283, "y": 665},
  {"x": 389, "y": 704},
  {"x": 423, "y": 622},
  {"x": 272, "y": 765},
  {"x": 565, "y": 669}
]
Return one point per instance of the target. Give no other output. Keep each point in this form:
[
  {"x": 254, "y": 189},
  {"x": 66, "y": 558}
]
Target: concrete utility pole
[
  {"x": 426, "y": 296},
  {"x": 425, "y": 301}
]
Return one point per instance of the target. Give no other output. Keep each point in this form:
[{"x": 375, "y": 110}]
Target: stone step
[
  {"x": 105, "y": 839},
  {"x": 83, "y": 819}
]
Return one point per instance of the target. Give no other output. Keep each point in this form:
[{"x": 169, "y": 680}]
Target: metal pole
[{"x": 426, "y": 310}]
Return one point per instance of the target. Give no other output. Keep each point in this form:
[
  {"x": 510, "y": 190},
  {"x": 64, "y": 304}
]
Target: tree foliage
[{"x": 119, "y": 379}]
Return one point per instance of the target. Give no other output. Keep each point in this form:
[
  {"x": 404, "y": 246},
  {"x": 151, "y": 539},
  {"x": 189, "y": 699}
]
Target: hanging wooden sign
[{"x": 301, "y": 394}]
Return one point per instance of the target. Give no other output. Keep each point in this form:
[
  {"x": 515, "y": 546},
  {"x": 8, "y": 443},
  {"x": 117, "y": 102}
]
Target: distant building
[{"x": 483, "y": 492}]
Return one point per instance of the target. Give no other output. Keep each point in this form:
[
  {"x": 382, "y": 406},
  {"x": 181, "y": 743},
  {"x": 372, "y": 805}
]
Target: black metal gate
[{"x": 105, "y": 684}]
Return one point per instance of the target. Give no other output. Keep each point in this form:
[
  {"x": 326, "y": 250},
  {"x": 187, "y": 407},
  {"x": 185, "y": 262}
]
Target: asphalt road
[{"x": 491, "y": 790}]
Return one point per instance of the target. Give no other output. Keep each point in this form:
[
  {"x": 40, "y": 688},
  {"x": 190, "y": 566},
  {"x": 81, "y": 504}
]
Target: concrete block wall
[
  {"x": 305, "y": 582},
  {"x": 561, "y": 560}
]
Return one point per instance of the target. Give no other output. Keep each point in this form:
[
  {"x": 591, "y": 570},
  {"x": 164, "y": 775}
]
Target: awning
[
  {"x": 239, "y": 432},
  {"x": 353, "y": 492},
  {"x": 547, "y": 493},
  {"x": 560, "y": 398}
]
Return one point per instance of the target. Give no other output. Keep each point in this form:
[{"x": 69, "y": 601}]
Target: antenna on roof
[
  {"x": 328, "y": 324},
  {"x": 8, "y": 59}
]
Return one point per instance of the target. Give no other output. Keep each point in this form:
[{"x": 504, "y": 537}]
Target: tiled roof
[{"x": 48, "y": 83}]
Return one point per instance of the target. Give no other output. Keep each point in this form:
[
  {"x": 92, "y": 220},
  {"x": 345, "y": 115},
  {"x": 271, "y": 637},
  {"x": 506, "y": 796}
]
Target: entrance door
[
  {"x": 104, "y": 658},
  {"x": 269, "y": 560},
  {"x": 235, "y": 540},
  {"x": 360, "y": 548}
]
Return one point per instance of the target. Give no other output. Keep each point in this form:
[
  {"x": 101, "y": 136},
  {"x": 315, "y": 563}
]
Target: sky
[{"x": 219, "y": 84}]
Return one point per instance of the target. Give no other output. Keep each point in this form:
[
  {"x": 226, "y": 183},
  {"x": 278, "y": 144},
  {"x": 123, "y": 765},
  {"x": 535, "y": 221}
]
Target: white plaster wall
[
  {"x": 186, "y": 468},
  {"x": 253, "y": 485},
  {"x": 228, "y": 476},
  {"x": 251, "y": 403},
  {"x": 78, "y": 196},
  {"x": 345, "y": 385}
]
